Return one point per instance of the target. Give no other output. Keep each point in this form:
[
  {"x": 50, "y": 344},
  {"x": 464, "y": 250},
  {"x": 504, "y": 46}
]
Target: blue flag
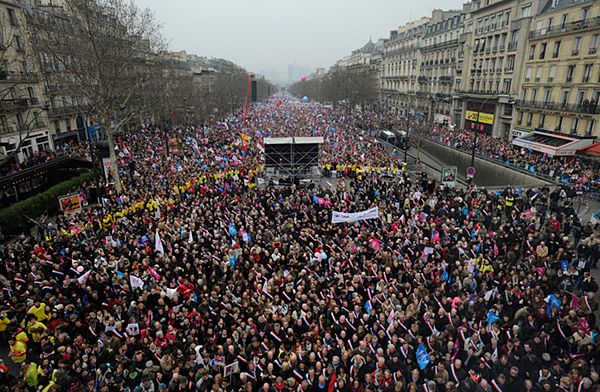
[
  {"x": 233, "y": 259},
  {"x": 553, "y": 302},
  {"x": 368, "y": 307},
  {"x": 144, "y": 239},
  {"x": 564, "y": 264},
  {"x": 182, "y": 233},
  {"x": 444, "y": 276},
  {"x": 195, "y": 297},
  {"x": 423, "y": 358},
  {"x": 232, "y": 230},
  {"x": 492, "y": 318}
]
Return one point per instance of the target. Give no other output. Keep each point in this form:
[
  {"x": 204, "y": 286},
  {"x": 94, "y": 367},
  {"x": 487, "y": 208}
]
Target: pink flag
[
  {"x": 574, "y": 301},
  {"x": 496, "y": 251},
  {"x": 153, "y": 272},
  {"x": 584, "y": 325},
  {"x": 374, "y": 244},
  {"x": 541, "y": 271}
]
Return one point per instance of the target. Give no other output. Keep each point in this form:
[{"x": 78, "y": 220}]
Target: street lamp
[{"x": 476, "y": 132}]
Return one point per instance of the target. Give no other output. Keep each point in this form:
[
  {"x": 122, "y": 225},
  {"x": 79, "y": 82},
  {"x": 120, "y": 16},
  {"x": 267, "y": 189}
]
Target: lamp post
[{"x": 476, "y": 132}]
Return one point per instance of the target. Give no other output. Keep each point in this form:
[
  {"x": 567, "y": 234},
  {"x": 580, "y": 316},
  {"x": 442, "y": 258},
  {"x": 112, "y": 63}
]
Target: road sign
[{"x": 470, "y": 171}]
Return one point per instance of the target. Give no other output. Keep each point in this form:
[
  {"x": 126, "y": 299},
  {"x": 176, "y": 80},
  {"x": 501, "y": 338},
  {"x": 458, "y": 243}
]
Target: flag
[
  {"x": 574, "y": 301},
  {"x": 83, "y": 278},
  {"x": 444, "y": 276},
  {"x": 368, "y": 307},
  {"x": 144, "y": 239},
  {"x": 492, "y": 318},
  {"x": 158, "y": 245},
  {"x": 423, "y": 358},
  {"x": 564, "y": 264},
  {"x": 153, "y": 272},
  {"x": 233, "y": 259},
  {"x": 374, "y": 244},
  {"x": 553, "y": 302},
  {"x": 136, "y": 283},
  {"x": 190, "y": 238},
  {"x": 232, "y": 230}
]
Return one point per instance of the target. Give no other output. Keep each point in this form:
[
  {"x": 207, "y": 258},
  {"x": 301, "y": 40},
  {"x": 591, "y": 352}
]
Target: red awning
[{"x": 594, "y": 150}]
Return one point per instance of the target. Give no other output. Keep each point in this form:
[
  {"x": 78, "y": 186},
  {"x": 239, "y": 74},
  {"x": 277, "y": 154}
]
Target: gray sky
[{"x": 261, "y": 34}]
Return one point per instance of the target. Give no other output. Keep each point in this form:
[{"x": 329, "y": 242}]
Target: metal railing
[
  {"x": 566, "y": 28},
  {"x": 561, "y": 107}
]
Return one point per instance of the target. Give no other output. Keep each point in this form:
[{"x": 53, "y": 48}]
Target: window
[
  {"x": 30, "y": 92},
  {"x": 570, "y": 73},
  {"x": 12, "y": 17},
  {"x": 542, "y": 120},
  {"x": 576, "y": 45},
  {"x": 529, "y": 119},
  {"x": 552, "y": 73},
  {"x": 590, "y": 127},
  {"x": 559, "y": 124},
  {"x": 528, "y": 74},
  {"x": 587, "y": 73},
  {"x": 507, "y": 84},
  {"x": 533, "y": 95},
  {"x": 556, "y": 51},
  {"x": 510, "y": 63},
  {"x": 565, "y": 97},
  {"x": 18, "y": 43},
  {"x": 531, "y": 52},
  {"x": 580, "y": 96},
  {"x": 543, "y": 51},
  {"x": 57, "y": 127},
  {"x": 526, "y": 11},
  {"x": 563, "y": 21},
  {"x": 547, "y": 93},
  {"x": 585, "y": 12},
  {"x": 594, "y": 43},
  {"x": 574, "y": 125},
  {"x": 550, "y": 20},
  {"x": 520, "y": 118},
  {"x": 538, "y": 74}
]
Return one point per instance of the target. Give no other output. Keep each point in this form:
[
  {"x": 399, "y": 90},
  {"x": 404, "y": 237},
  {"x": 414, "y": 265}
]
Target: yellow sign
[
  {"x": 471, "y": 116},
  {"x": 486, "y": 118}
]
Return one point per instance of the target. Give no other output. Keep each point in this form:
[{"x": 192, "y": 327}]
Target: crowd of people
[
  {"x": 72, "y": 149},
  {"x": 198, "y": 277},
  {"x": 572, "y": 171}
]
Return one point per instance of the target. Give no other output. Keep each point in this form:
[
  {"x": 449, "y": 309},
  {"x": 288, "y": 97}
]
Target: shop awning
[
  {"x": 553, "y": 144},
  {"x": 594, "y": 150}
]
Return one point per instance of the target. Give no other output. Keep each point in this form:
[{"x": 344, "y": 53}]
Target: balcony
[
  {"x": 590, "y": 23},
  {"x": 513, "y": 46},
  {"x": 18, "y": 77},
  {"x": 583, "y": 108},
  {"x": 62, "y": 111},
  {"x": 10, "y": 105}
]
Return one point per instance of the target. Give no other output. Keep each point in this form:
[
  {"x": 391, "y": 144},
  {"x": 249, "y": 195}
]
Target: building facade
[
  {"x": 561, "y": 76},
  {"x": 401, "y": 65},
  {"x": 496, "y": 40},
  {"x": 23, "y": 116},
  {"x": 438, "y": 65}
]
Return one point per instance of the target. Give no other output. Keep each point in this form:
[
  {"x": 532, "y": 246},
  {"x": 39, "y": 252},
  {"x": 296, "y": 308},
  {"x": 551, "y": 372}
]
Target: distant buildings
[{"x": 503, "y": 67}]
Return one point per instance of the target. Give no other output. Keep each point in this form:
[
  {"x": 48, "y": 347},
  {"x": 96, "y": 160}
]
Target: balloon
[
  {"x": 80, "y": 269},
  {"x": 305, "y": 99},
  {"x": 303, "y": 78},
  {"x": 323, "y": 256}
]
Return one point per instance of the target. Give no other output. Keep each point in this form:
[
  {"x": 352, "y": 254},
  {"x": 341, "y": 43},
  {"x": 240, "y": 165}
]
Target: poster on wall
[
  {"x": 449, "y": 175},
  {"x": 70, "y": 204}
]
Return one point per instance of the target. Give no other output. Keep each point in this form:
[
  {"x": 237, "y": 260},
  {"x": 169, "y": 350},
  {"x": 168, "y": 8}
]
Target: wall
[{"x": 488, "y": 174}]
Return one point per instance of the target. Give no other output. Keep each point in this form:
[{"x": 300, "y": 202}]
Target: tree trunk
[{"x": 113, "y": 158}]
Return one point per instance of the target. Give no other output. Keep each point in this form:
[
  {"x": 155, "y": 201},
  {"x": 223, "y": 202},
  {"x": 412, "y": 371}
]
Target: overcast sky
[{"x": 260, "y": 34}]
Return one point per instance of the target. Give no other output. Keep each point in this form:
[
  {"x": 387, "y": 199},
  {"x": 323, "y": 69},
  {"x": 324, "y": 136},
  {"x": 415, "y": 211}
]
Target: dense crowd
[
  {"x": 199, "y": 278},
  {"x": 73, "y": 150},
  {"x": 572, "y": 171}
]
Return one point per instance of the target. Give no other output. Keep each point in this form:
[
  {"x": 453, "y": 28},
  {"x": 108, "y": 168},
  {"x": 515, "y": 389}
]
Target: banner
[
  {"x": 340, "y": 217},
  {"x": 70, "y": 204}
]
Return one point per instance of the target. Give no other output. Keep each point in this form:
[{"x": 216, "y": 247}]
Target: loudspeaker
[{"x": 253, "y": 91}]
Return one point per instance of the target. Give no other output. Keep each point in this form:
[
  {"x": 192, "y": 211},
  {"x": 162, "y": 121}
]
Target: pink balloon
[{"x": 303, "y": 78}]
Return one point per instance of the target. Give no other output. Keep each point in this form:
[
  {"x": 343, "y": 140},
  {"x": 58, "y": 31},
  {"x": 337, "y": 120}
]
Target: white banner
[{"x": 339, "y": 217}]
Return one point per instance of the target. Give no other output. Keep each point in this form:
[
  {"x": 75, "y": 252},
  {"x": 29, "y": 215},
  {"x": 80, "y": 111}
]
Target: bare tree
[{"x": 107, "y": 50}]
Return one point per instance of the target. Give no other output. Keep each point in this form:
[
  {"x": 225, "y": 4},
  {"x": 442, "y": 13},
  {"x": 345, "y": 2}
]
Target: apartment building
[
  {"x": 561, "y": 75},
  {"x": 496, "y": 42},
  {"x": 23, "y": 116},
  {"x": 401, "y": 66},
  {"x": 438, "y": 64}
]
